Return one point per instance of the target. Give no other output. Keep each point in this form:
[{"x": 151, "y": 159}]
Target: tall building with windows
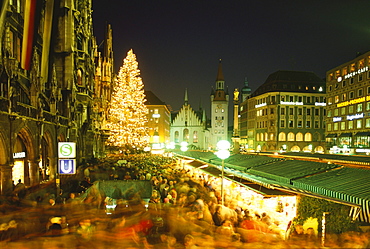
[
  {"x": 219, "y": 109},
  {"x": 159, "y": 118},
  {"x": 286, "y": 113},
  {"x": 348, "y": 107}
]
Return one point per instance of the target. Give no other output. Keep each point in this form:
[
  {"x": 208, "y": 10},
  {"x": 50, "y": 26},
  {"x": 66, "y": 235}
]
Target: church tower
[{"x": 219, "y": 109}]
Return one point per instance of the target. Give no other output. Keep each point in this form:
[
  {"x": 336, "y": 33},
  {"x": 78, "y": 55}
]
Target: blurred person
[{"x": 189, "y": 242}]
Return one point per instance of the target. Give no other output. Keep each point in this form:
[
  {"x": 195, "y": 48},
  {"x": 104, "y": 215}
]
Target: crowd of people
[{"x": 183, "y": 211}]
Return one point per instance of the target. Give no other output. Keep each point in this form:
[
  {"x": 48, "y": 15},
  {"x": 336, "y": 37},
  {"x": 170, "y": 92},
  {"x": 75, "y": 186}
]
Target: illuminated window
[
  {"x": 330, "y": 101},
  {"x": 337, "y": 74},
  {"x": 177, "y": 137},
  {"x": 342, "y": 125},
  {"x": 350, "y": 124},
  {"x": 344, "y": 97},
  {"x": 299, "y": 136},
  {"x": 336, "y": 99},
  {"x": 361, "y": 63},
  {"x": 350, "y": 109},
  {"x": 336, "y": 126},
  {"x": 359, "y": 123},
  {"x": 343, "y": 111},
  {"x": 344, "y": 71},
  {"x": 282, "y": 136},
  {"x": 195, "y": 136},
  {"x": 367, "y": 125},
  {"x": 329, "y": 127},
  {"x": 291, "y": 136},
  {"x": 330, "y": 77},
  {"x": 359, "y": 107},
  {"x": 266, "y": 136},
  {"x": 308, "y": 137},
  {"x": 185, "y": 135},
  {"x": 352, "y": 67},
  {"x": 367, "y": 106},
  {"x": 336, "y": 112}
]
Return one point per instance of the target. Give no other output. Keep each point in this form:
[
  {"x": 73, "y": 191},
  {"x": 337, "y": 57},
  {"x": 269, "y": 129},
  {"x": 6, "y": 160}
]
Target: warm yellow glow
[{"x": 127, "y": 119}]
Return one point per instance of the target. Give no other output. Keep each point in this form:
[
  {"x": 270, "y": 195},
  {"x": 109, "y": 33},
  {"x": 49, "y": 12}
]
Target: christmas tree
[{"x": 127, "y": 119}]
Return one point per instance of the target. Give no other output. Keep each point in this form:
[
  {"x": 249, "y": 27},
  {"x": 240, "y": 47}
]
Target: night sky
[{"x": 178, "y": 43}]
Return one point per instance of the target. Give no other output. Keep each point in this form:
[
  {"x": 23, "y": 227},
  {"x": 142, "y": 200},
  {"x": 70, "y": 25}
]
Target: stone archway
[
  {"x": 30, "y": 160},
  {"x": 6, "y": 185},
  {"x": 47, "y": 156}
]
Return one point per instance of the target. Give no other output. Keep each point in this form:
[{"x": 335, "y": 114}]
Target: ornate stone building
[{"x": 49, "y": 89}]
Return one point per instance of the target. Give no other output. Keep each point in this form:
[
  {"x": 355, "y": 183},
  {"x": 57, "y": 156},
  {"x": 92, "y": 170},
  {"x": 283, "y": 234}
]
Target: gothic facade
[{"x": 50, "y": 87}]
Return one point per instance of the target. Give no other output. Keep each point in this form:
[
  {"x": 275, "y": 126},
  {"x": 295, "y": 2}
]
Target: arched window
[
  {"x": 195, "y": 137},
  {"x": 185, "y": 135},
  {"x": 177, "y": 137},
  {"x": 272, "y": 137},
  {"x": 79, "y": 77},
  {"x": 291, "y": 136},
  {"x": 282, "y": 136},
  {"x": 308, "y": 137},
  {"x": 299, "y": 136},
  {"x": 257, "y": 137},
  {"x": 295, "y": 148},
  {"x": 266, "y": 136}
]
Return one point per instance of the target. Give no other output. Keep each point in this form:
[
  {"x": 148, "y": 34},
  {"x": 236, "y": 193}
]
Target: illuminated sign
[
  {"x": 350, "y": 75},
  {"x": 19, "y": 154},
  {"x": 291, "y": 103},
  {"x": 356, "y": 116},
  {"x": 67, "y": 150},
  {"x": 260, "y": 105},
  {"x": 354, "y": 101},
  {"x": 67, "y": 166},
  {"x": 363, "y": 150},
  {"x": 337, "y": 119},
  {"x": 156, "y": 115},
  {"x": 320, "y": 104}
]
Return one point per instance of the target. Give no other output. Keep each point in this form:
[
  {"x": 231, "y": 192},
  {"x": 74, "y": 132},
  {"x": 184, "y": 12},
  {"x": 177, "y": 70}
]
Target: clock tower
[{"x": 219, "y": 109}]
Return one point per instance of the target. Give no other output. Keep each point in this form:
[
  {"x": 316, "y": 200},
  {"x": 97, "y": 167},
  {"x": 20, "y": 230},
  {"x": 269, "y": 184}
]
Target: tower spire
[
  {"x": 186, "y": 96},
  {"x": 220, "y": 75}
]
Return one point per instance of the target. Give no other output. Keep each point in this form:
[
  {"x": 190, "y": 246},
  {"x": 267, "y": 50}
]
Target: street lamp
[
  {"x": 184, "y": 146},
  {"x": 223, "y": 153}
]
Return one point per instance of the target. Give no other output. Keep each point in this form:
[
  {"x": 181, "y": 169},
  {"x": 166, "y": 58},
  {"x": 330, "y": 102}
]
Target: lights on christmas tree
[{"x": 127, "y": 118}]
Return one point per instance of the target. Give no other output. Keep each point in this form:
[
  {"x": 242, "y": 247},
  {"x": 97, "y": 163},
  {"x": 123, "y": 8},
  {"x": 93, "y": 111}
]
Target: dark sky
[{"x": 178, "y": 43}]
